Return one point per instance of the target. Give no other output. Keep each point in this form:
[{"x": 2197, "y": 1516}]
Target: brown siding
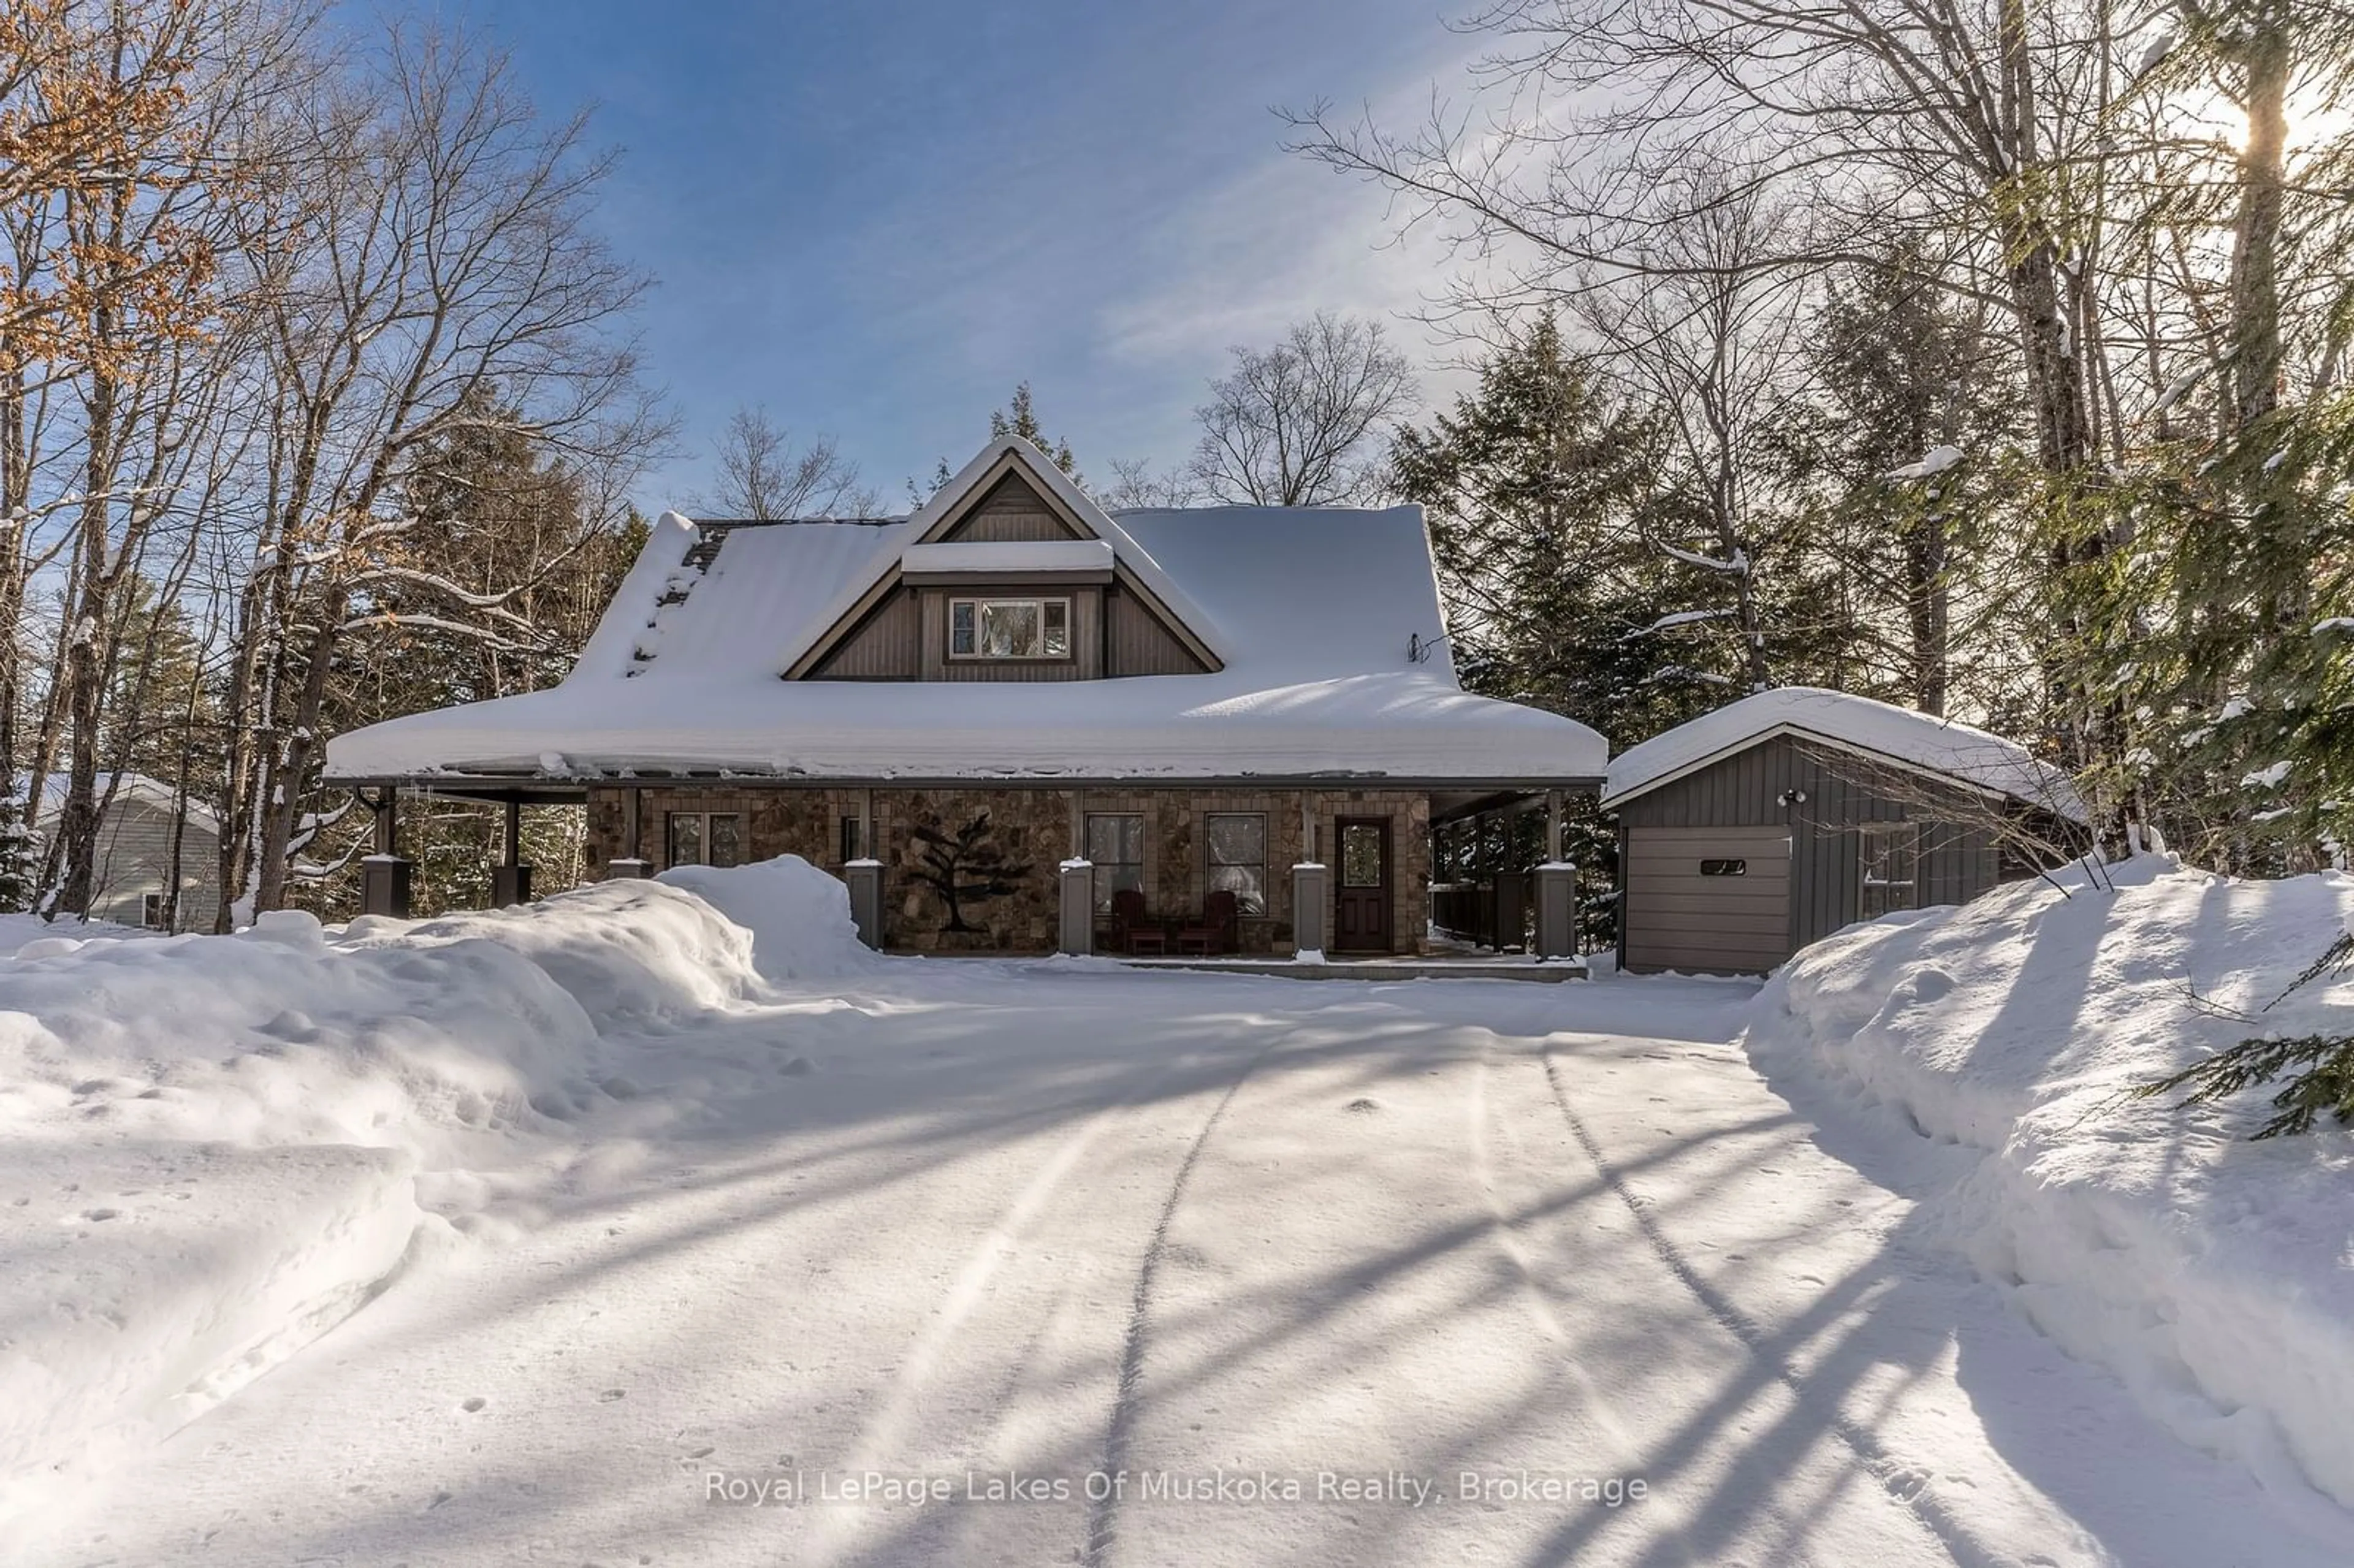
[
  {"x": 1012, "y": 511},
  {"x": 1678, "y": 919},
  {"x": 887, "y": 646},
  {"x": 1139, "y": 645},
  {"x": 1959, "y": 857}
]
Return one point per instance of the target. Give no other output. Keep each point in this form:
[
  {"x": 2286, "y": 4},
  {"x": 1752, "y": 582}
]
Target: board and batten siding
[
  {"x": 1011, "y": 512},
  {"x": 1959, "y": 858},
  {"x": 888, "y": 645},
  {"x": 1139, "y": 644}
]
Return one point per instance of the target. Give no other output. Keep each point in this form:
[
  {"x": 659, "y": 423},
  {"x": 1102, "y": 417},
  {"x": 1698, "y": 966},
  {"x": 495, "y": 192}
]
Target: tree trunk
[
  {"x": 86, "y": 661},
  {"x": 2255, "y": 343}
]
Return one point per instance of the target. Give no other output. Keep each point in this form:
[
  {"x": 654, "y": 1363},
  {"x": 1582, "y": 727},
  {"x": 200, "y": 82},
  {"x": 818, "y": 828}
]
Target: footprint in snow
[
  {"x": 610, "y": 1395},
  {"x": 101, "y": 1213},
  {"x": 473, "y": 1404},
  {"x": 1361, "y": 1106},
  {"x": 799, "y": 1067}
]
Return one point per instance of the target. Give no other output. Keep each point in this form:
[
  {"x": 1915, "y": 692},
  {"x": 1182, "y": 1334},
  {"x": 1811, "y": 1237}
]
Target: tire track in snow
[
  {"x": 884, "y": 1433},
  {"x": 1103, "y": 1513},
  {"x": 1505, "y": 1234},
  {"x": 1905, "y": 1485}
]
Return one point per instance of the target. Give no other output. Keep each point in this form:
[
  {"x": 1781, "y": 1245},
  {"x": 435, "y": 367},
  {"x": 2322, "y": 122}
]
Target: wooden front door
[{"x": 1361, "y": 918}]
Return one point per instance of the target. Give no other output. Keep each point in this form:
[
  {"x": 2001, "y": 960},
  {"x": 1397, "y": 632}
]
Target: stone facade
[{"x": 1001, "y": 847}]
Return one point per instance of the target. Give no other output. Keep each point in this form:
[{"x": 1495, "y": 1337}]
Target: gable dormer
[{"x": 1010, "y": 573}]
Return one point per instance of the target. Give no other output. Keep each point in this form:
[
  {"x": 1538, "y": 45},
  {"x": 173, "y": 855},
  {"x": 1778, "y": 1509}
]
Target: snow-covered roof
[
  {"x": 1009, "y": 558},
  {"x": 136, "y": 786},
  {"x": 1877, "y": 730},
  {"x": 1309, "y": 613}
]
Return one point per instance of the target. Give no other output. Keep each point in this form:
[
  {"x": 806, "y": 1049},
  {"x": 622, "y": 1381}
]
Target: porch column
[
  {"x": 1076, "y": 919},
  {"x": 1556, "y": 891},
  {"x": 384, "y": 876},
  {"x": 630, "y": 862},
  {"x": 510, "y": 879},
  {"x": 865, "y": 879}
]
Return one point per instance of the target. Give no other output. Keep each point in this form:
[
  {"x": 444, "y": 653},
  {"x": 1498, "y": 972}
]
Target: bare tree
[
  {"x": 1301, "y": 424},
  {"x": 434, "y": 269},
  {"x": 1136, "y": 486},
  {"x": 763, "y": 476}
]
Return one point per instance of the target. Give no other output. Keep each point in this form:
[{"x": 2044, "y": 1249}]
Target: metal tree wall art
[{"x": 967, "y": 863}]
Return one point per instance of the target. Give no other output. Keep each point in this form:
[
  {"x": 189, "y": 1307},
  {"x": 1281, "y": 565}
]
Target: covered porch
[{"x": 1295, "y": 871}]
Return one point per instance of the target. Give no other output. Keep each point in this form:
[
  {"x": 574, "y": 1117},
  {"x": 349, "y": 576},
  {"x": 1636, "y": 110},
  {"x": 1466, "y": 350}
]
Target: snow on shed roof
[
  {"x": 1310, "y": 610},
  {"x": 1903, "y": 735},
  {"x": 137, "y": 787}
]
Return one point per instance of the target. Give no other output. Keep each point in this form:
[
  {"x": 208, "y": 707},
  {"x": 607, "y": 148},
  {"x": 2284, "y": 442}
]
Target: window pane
[
  {"x": 1116, "y": 839},
  {"x": 1111, "y": 879},
  {"x": 685, "y": 838},
  {"x": 960, "y": 627},
  {"x": 1246, "y": 883},
  {"x": 1058, "y": 629},
  {"x": 849, "y": 839},
  {"x": 1008, "y": 629},
  {"x": 726, "y": 840},
  {"x": 1237, "y": 841},
  {"x": 1360, "y": 856}
]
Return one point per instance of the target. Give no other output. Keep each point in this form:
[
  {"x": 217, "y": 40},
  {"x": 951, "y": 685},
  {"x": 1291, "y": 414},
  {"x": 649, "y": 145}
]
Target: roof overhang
[{"x": 501, "y": 787}]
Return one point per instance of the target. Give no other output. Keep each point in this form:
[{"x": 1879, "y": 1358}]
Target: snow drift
[
  {"x": 2213, "y": 1275},
  {"x": 213, "y": 1149}
]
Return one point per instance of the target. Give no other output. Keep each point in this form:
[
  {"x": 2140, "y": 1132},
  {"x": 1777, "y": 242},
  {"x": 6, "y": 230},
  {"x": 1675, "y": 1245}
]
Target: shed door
[{"x": 1708, "y": 899}]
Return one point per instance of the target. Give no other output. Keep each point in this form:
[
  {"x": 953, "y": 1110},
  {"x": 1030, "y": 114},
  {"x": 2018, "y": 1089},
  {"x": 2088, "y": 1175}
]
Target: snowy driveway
[{"x": 1493, "y": 1273}]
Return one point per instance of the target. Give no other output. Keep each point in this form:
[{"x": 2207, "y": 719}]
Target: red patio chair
[
  {"x": 1219, "y": 928},
  {"x": 1132, "y": 930}
]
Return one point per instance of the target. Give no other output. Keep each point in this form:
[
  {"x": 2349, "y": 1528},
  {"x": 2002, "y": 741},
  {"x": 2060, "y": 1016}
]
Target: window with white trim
[
  {"x": 1008, "y": 629},
  {"x": 1116, "y": 845},
  {"x": 1237, "y": 857},
  {"x": 1891, "y": 853}
]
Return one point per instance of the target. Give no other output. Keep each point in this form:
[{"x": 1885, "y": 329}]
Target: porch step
[{"x": 1379, "y": 969}]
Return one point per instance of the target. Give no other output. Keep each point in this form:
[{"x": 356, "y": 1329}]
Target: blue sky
[{"x": 875, "y": 218}]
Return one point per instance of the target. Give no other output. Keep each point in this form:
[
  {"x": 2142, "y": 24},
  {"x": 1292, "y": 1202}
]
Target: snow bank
[
  {"x": 213, "y": 1149},
  {"x": 797, "y": 917},
  {"x": 2214, "y": 1276}
]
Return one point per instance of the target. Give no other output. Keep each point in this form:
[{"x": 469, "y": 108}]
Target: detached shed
[{"x": 1775, "y": 821}]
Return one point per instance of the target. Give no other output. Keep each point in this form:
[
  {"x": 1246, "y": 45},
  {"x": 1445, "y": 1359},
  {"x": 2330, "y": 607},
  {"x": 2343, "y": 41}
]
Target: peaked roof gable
[
  {"x": 1880, "y": 732},
  {"x": 938, "y": 521}
]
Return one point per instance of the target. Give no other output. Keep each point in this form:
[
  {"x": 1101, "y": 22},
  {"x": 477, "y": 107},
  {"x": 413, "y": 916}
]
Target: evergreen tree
[
  {"x": 1021, "y": 418},
  {"x": 1537, "y": 487},
  {"x": 506, "y": 530},
  {"x": 1900, "y": 460}
]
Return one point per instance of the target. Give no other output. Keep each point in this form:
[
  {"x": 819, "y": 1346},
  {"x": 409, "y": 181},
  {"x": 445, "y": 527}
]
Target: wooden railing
[{"x": 1493, "y": 912}]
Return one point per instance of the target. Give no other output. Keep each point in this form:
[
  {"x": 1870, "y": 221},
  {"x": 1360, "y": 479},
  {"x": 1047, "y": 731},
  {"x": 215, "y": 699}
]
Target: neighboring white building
[{"x": 139, "y": 820}]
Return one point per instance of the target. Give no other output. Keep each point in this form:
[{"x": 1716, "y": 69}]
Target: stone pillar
[
  {"x": 865, "y": 880},
  {"x": 1556, "y": 910},
  {"x": 1310, "y": 903},
  {"x": 1076, "y": 922},
  {"x": 627, "y": 868}
]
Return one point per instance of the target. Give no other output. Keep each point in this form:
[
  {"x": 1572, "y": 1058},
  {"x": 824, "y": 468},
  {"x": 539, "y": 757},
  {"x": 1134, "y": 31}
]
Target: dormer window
[{"x": 1008, "y": 629}]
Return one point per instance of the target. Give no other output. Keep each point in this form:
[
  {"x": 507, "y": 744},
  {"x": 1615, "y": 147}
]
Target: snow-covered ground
[
  {"x": 2212, "y": 1274},
  {"x": 643, "y": 1225}
]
